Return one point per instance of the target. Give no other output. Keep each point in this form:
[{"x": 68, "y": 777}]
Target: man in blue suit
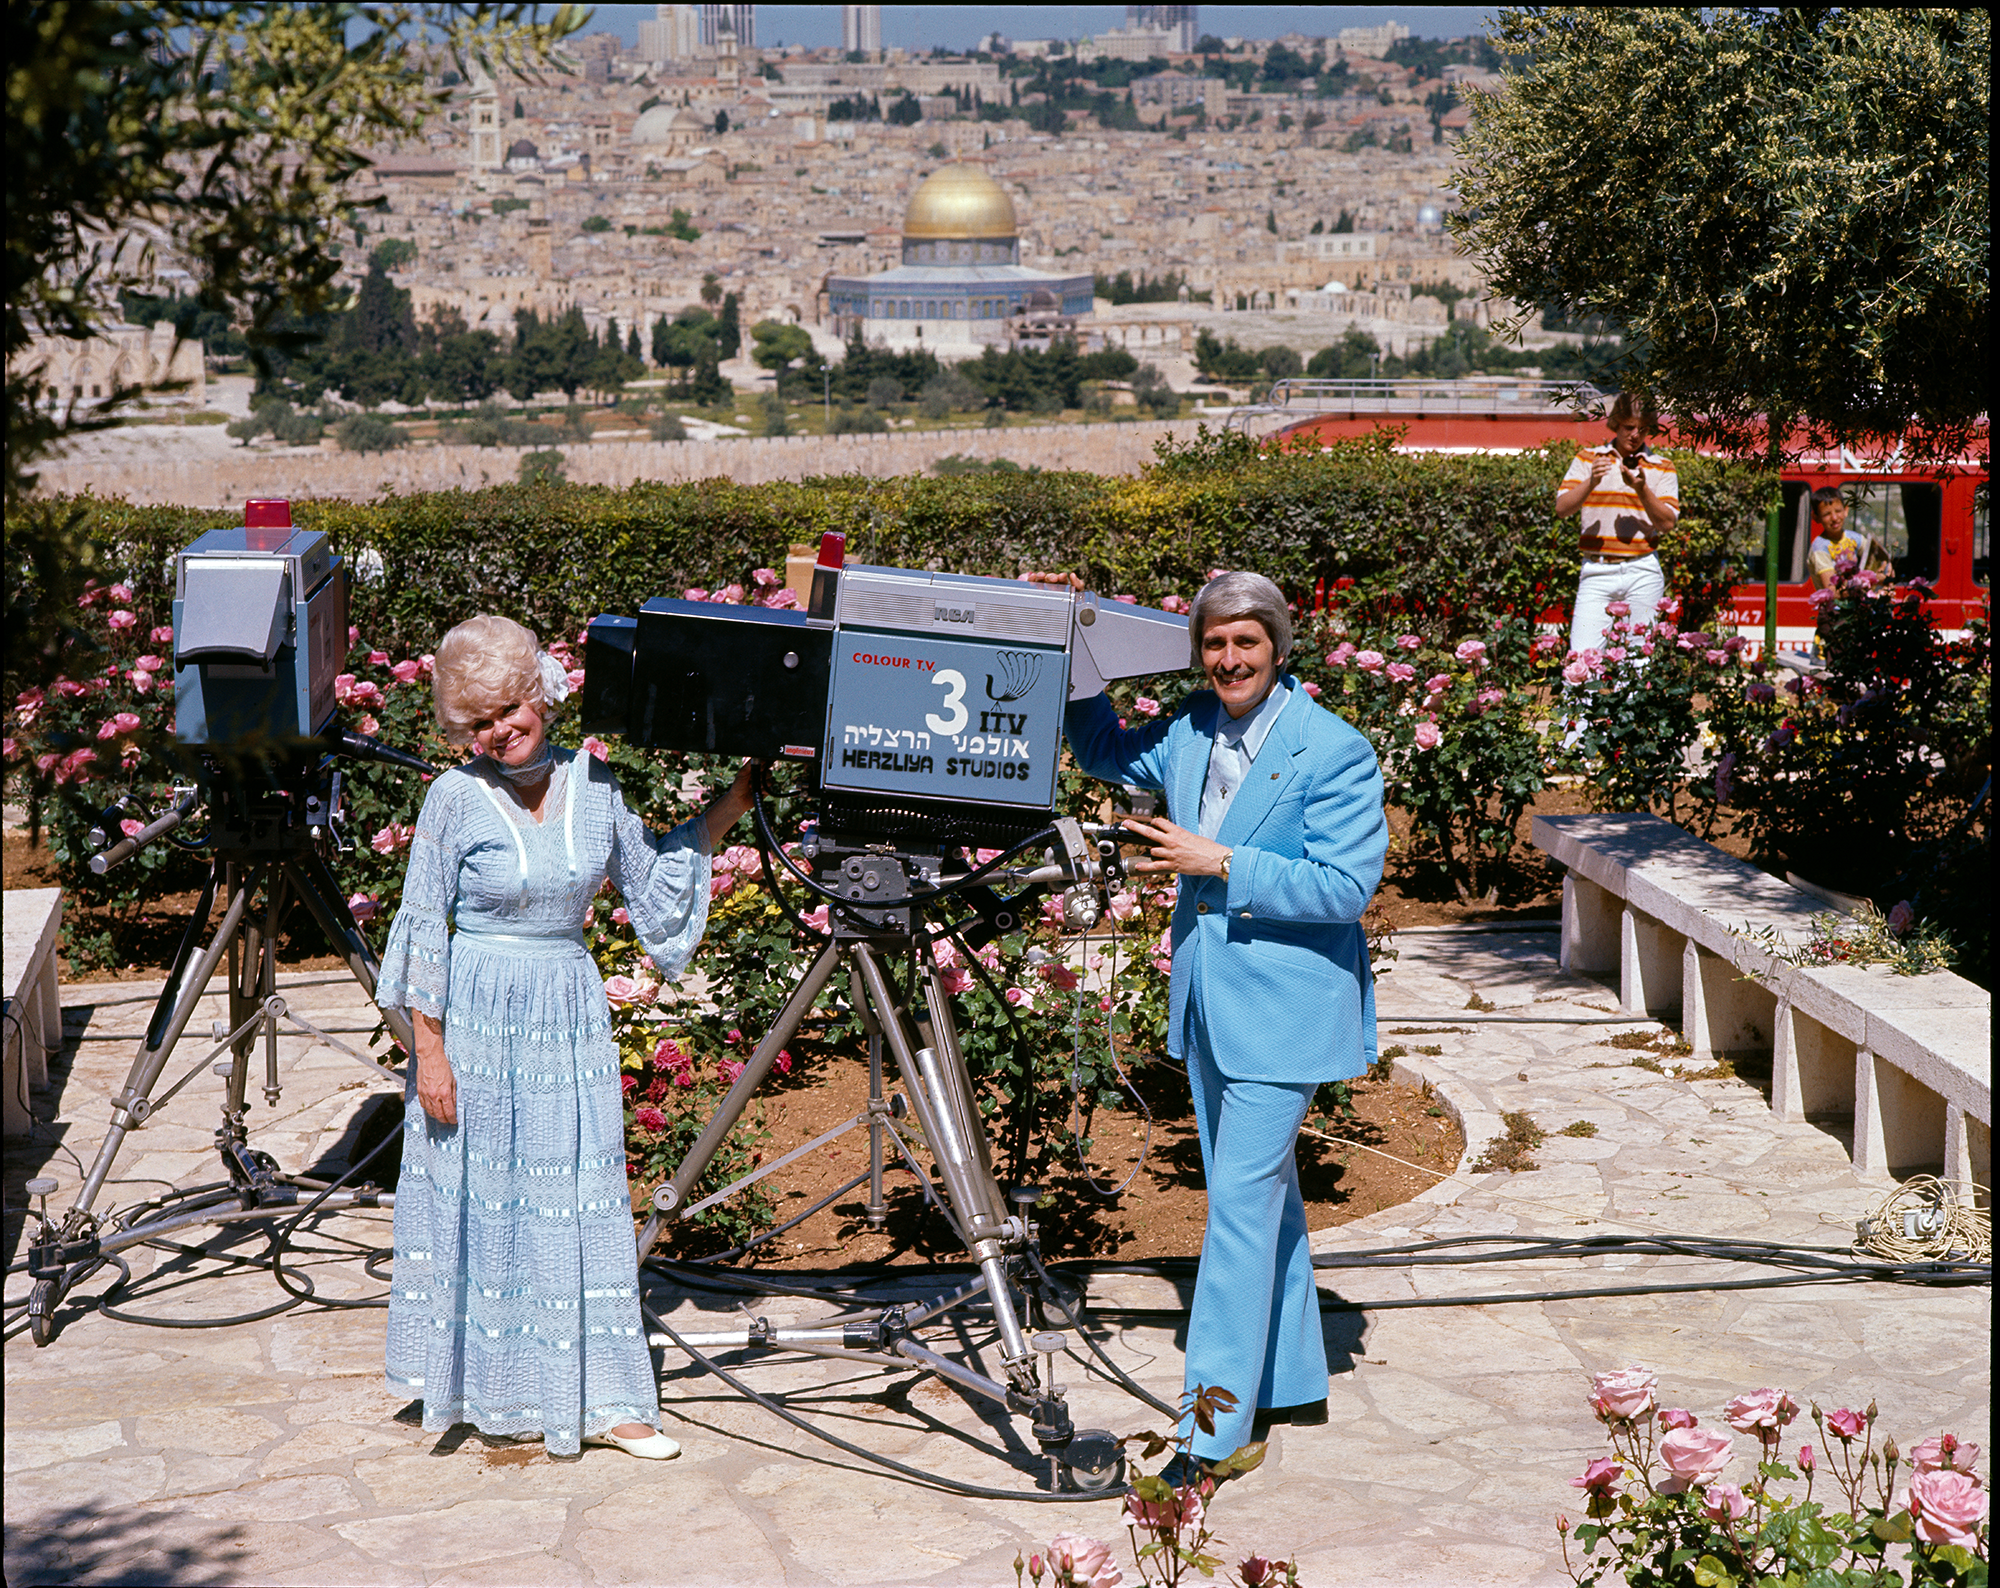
[{"x": 1275, "y": 824}]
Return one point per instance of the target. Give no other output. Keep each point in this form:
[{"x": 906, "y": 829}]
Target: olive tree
[{"x": 1785, "y": 208}]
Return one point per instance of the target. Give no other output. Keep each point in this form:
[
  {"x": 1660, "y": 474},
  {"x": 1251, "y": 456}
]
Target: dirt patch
[{"x": 1161, "y": 1213}]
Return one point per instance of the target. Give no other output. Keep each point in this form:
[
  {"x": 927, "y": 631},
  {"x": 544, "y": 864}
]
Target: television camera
[
  {"x": 260, "y": 629},
  {"x": 927, "y": 711}
]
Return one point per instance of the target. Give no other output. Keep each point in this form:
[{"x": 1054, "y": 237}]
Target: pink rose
[
  {"x": 121, "y": 592},
  {"x": 1146, "y": 706},
  {"x": 363, "y": 906},
  {"x": 112, "y": 727},
  {"x": 574, "y": 678},
  {"x": 405, "y": 672},
  {"x": 816, "y": 919},
  {"x": 596, "y": 747},
  {"x": 75, "y": 767},
  {"x": 1807, "y": 1461},
  {"x": 1761, "y": 1411},
  {"x": 728, "y": 1070},
  {"x": 1819, "y": 600},
  {"x": 131, "y": 828},
  {"x": 621, "y": 916},
  {"x": 1401, "y": 672},
  {"x": 1129, "y": 600},
  {"x": 393, "y": 839},
  {"x": 1438, "y": 683},
  {"x": 1715, "y": 658},
  {"x": 779, "y": 600},
  {"x": 1183, "y": 1507},
  {"x": 69, "y": 688},
  {"x": 1059, "y": 975},
  {"x": 1599, "y": 1475},
  {"x": 163, "y": 635},
  {"x": 1017, "y": 996},
  {"x": 1340, "y": 655},
  {"x": 1083, "y": 1562},
  {"x": 122, "y": 619},
  {"x": 378, "y": 658},
  {"x": 1577, "y": 672},
  {"x": 1311, "y": 689},
  {"x": 1943, "y": 1453},
  {"x": 1618, "y": 609},
  {"x": 366, "y": 724},
  {"x": 1614, "y": 653},
  {"x": 741, "y": 858},
  {"x": 1947, "y": 1507},
  {"x": 1409, "y": 642},
  {"x": 148, "y": 663},
  {"x": 1677, "y": 1417},
  {"x": 956, "y": 980},
  {"x": 1471, "y": 652},
  {"x": 694, "y": 593},
  {"x": 763, "y": 578},
  {"x": 720, "y": 883},
  {"x": 1428, "y": 736},
  {"x": 783, "y": 1062},
  {"x": 623, "y": 991},
  {"x": 142, "y": 683},
  {"x": 1255, "y": 1570},
  {"x": 1173, "y": 603},
  {"x": 12, "y": 748},
  {"x": 1695, "y": 1456},
  {"x": 1723, "y": 1503},
  {"x": 1487, "y": 699},
  {"x": 1370, "y": 661},
  {"x": 1626, "y": 1393},
  {"x": 647, "y": 1117}
]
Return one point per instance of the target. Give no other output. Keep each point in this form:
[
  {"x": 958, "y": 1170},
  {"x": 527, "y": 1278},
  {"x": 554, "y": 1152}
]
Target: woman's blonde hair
[{"x": 484, "y": 664}]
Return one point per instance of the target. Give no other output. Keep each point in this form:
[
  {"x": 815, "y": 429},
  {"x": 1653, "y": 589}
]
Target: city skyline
[{"x": 960, "y": 28}]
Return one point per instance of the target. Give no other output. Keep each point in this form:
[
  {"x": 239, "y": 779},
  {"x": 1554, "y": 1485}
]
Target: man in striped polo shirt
[{"x": 1629, "y": 500}]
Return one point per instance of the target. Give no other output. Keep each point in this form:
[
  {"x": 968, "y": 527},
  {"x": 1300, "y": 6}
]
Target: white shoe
[{"x": 655, "y": 1446}]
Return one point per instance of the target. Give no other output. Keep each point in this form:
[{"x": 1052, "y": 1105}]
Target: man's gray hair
[{"x": 1230, "y": 596}]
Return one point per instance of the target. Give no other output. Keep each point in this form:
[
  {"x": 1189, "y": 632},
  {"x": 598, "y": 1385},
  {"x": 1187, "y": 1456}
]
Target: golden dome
[{"x": 959, "y": 201}]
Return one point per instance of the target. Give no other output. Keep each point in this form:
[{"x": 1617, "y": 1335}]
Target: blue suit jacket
[{"x": 1274, "y": 957}]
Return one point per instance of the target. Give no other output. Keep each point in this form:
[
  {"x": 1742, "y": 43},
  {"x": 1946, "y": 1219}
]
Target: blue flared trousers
[{"x": 1255, "y": 1328}]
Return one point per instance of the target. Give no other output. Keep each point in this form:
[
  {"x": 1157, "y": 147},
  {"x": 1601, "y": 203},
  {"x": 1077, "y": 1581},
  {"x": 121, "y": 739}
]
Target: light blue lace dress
[{"x": 515, "y": 1301}]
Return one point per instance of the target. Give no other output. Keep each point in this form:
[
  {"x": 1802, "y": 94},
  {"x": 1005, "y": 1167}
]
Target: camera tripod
[
  {"x": 878, "y": 922},
  {"x": 265, "y": 835}
]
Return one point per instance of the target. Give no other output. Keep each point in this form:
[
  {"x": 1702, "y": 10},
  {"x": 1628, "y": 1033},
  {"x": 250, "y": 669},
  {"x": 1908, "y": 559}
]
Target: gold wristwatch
[{"x": 1225, "y": 863}]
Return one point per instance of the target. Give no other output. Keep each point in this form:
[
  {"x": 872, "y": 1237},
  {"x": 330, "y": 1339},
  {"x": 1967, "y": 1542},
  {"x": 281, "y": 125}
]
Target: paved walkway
[{"x": 269, "y": 1452}]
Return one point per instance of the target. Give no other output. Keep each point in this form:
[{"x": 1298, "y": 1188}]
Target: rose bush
[{"x": 1660, "y": 1512}]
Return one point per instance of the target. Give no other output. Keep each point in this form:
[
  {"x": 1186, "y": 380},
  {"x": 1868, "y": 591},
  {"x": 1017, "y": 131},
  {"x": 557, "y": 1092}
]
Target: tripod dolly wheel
[
  {"x": 1094, "y": 1460},
  {"x": 42, "y": 1300}
]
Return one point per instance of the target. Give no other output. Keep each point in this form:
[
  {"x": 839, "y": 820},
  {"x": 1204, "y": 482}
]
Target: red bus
[{"x": 1932, "y": 522}]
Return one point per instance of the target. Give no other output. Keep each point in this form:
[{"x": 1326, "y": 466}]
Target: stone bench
[
  {"x": 1671, "y": 917},
  {"x": 33, "y": 1023}
]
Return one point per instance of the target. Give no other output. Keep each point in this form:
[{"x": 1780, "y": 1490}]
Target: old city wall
[{"x": 227, "y": 480}]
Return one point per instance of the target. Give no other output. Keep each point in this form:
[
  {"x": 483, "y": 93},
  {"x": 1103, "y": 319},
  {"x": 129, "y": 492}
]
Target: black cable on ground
[
  {"x": 932, "y": 1480},
  {"x": 282, "y": 1235}
]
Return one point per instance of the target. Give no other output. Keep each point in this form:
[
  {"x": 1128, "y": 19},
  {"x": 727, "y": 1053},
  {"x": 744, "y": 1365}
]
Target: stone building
[
  {"x": 120, "y": 356},
  {"x": 961, "y": 285}
]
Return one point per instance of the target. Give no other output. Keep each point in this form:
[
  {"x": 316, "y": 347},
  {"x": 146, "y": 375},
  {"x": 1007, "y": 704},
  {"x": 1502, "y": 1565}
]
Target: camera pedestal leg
[{"x": 62, "y": 1255}]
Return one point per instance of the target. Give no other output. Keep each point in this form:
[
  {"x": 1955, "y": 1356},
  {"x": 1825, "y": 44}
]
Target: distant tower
[
  {"x": 739, "y": 21},
  {"x": 861, "y": 29},
  {"x": 485, "y": 118},
  {"x": 674, "y": 35},
  {"x": 1179, "y": 23}
]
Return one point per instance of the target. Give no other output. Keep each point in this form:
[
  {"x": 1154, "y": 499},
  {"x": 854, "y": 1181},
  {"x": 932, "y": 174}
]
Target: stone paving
[{"x": 271, "y": 1453}]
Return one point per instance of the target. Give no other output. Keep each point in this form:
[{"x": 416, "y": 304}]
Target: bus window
[
  {"x": 1795, "y": 534},
  {"x": 1979, "y": 552},
  {"x": 1905, "y": 519}
]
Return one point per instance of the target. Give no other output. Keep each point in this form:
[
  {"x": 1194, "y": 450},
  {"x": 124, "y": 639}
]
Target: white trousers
[{"x": 1639, "y": 583}]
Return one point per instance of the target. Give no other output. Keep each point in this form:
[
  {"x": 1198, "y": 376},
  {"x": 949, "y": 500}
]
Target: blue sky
[{"x": 921, "y": 27}]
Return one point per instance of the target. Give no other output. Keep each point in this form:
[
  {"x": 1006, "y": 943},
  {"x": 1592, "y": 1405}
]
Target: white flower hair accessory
[{"x": 555, "y": 681}]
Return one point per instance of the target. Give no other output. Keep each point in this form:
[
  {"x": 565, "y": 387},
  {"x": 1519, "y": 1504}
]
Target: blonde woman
[{"x": 515, "y": 1303}]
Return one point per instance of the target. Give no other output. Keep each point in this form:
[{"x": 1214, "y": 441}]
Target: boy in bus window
[
  {"x": 1628, "y": 501},
  {"x": 1830, "y": 540}
]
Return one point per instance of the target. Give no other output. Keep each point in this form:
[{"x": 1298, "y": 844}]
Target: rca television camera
[
  {"x": 926, "y": 703},
  {"x": 260, "y": 629}
]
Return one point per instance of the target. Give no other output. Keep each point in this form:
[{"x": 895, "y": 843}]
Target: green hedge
[{"x": 1442, "y": 544}]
